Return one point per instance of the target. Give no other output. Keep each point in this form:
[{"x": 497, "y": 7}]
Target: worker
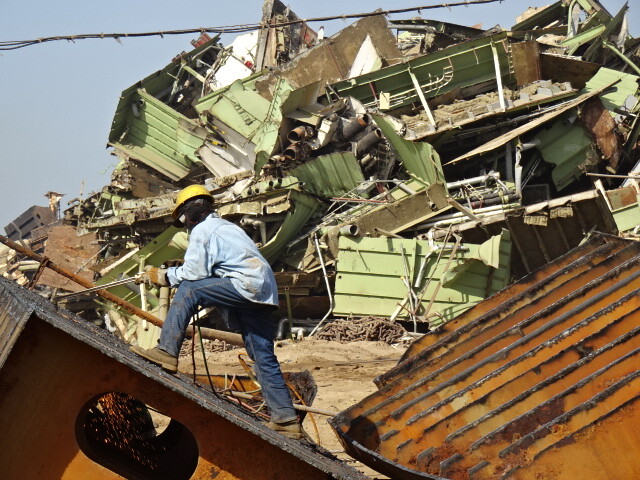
[{"x": 223, "y": 268}]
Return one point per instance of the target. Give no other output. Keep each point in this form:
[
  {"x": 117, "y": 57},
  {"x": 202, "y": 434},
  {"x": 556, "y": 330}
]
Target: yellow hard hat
[{"x": 188, "y": 193}]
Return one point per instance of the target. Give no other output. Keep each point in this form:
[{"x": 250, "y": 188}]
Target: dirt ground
[{"x": 343, "y": 372}]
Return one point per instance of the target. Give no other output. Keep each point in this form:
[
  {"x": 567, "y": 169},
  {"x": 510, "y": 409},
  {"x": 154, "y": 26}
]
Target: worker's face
[{"x": 194, "y": 212}]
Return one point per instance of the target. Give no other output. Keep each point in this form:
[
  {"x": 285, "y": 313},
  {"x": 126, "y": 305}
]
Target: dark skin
[{"x": 194, "y": 212}]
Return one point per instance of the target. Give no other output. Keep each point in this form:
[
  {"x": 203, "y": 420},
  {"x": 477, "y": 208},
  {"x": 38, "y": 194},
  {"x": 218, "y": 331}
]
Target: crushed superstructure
[{"x": 406, "y": 170}]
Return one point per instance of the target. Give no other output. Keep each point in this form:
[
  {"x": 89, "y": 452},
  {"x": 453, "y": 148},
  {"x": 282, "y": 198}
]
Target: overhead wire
[{"x": 242, "y": 28}]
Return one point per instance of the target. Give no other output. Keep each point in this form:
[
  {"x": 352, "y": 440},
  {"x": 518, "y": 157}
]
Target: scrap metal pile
[
  {"x": 397, "y": 175},
  {"x": 403, "y": 170}
]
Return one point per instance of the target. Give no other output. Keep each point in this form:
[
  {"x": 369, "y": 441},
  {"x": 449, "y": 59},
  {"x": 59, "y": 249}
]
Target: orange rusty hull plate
[
  {"x": 504, "y": 389},
  {"x": 55, "y": 367}
]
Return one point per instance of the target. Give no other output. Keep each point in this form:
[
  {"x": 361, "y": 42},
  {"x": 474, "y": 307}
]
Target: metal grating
[{"x": 527, "y": 384}]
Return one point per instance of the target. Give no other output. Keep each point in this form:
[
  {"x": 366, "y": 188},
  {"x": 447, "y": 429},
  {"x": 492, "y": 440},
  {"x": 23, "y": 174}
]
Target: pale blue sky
[{"x": 57, "y": 99}]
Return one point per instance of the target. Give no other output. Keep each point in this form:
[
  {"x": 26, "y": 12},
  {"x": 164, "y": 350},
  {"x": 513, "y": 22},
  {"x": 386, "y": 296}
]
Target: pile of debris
[
  {"x": 404, "y": 176},
  {"x": 394, "y": 174}
]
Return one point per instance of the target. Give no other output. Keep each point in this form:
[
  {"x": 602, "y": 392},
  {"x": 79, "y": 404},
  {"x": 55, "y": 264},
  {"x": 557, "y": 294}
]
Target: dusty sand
[{"x": 343, "y": 372}]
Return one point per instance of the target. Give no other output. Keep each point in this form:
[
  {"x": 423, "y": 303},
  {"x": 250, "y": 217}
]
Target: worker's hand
[
  {"x": 155, "y": 276},
  {"x": 176, "y": 262}
]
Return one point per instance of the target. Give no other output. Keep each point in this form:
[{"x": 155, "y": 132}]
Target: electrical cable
[{"x": 249, "y": 27}]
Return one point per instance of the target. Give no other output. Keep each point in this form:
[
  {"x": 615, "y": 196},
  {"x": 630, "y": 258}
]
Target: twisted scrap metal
[
  {"x": 210, "y": 346},
  {"x": 367, "y": 328}
]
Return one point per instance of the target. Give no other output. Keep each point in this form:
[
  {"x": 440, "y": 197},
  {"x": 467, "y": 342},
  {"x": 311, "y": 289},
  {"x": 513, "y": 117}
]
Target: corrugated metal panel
[
  {"x": 615, "y": 97},
  {"x": 538, "y": 381},
  {"x": 370, "y": 275},
  {"x": 567, "y": 147},
  {"x": 13, "y": 315},
  {"x": 239, "y": 105},
  {"x": 147, "y": 129},
  {"x": 330, "y": 175},
  {"x": 160, "y": 137},
  {"x": 461, "y": 65},
  {"x": 156, "y": 84}
]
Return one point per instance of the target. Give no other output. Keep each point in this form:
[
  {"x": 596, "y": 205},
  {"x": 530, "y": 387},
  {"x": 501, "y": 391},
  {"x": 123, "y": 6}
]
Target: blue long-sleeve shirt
[{"x": 218, "y": 248}]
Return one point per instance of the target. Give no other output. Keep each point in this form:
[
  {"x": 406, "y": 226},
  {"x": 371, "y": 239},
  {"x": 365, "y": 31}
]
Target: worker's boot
[
  {"x": 157, "y": 356},
  {"x": 290, "y": 429}
]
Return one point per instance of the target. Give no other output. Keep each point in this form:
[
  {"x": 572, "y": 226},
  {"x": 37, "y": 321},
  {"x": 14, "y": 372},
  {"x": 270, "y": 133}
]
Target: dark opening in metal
[{"x": 124, "y": 435}]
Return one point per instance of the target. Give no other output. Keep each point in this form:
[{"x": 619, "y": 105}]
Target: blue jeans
[{"x": 255, "y": 324}]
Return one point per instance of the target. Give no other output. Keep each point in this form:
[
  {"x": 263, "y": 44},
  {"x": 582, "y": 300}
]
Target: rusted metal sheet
[
  {"x": 600, "y": 124},
  {"x": 85, "y": 395},
  {"x": 526, "y": 62},
  {"x": 72, "y": 252},
  {"x": 330, "y": 60},
  {"x": 567, "y": 69},
  {"x": 520, "y": 385}
]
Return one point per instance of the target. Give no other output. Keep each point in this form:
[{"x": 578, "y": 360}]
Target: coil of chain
[{"x": 367, "y": 328}]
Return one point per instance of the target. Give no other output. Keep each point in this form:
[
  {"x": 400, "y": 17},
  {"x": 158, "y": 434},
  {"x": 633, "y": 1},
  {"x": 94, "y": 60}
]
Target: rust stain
[
  {"x": 507, "y": 382},
  {"x": 599, "y": 122}
]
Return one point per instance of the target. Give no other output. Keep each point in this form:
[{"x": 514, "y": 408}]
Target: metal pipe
[
  {"x": 405, "y": 189},
  {"x": 143, "y": 295},
  {"x": 349, "y": 229},
  {"x": 473, "y": 180},
  {"x": 455, "y": 217},
  {"x": 632, "y": 175},
  {"x": 326, "y": 280},
  {"x": 260, "y": 225},
  {"x": 305, "y": 326},
  {"x": 366, "y": 160},
  {"x": 367, "y": 142},
  {"x": 280, "y": 331},
  {"x": 163, "y": 304},
  {"x": 453, "y": 221},
  {"x": 123, "y": 282},
  {"x": 511, "y": 198},
  {"x": 479, "y": 196},
  {"x": 209, "y": 333},
  {"x": 496, "y": 64},
  {"x": 347, "y": 128},
  {"x": 461, "y": 209},
  {"x": 300, "y": 133},
  {"x": 420, "y": 93},
  {"x": 296, "y": 151}
]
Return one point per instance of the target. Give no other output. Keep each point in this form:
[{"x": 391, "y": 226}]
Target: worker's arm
[{"x": 197, "y": 259}]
